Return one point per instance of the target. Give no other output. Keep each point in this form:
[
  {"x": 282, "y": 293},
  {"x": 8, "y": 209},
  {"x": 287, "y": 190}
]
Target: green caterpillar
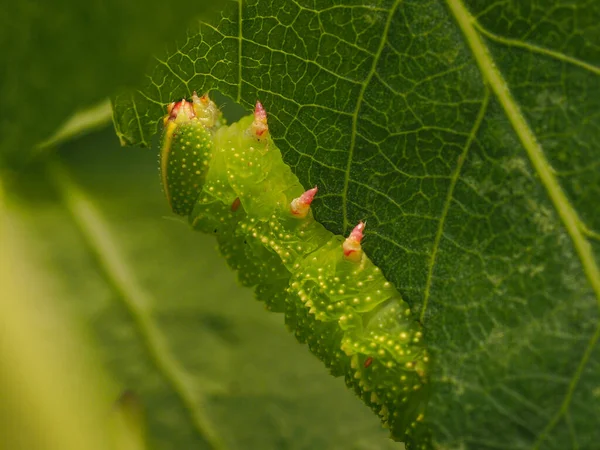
[{"x": 231, "y": 181}]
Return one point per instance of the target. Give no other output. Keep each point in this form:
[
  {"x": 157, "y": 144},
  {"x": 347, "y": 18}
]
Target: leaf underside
[{"x": 466, "y": 135}]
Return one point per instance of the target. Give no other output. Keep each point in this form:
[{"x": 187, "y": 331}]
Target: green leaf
[
  {"x": 466, "y": 134},
  {"x": 62, "y": 56},
  {"x": 209, "y": 367}
]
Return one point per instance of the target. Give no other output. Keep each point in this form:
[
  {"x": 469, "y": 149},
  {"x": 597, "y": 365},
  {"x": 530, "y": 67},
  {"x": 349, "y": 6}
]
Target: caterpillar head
[
  {"x": 206, "y": 111},
  {"x": 186, "y": 150}
]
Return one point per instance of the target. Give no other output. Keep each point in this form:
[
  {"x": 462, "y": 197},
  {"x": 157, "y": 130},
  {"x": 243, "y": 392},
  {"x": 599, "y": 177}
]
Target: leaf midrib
[{"x": 561, "y": 204}]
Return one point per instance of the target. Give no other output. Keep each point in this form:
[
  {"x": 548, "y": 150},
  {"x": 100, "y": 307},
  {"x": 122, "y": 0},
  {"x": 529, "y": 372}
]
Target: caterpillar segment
[
  {"x": 186, "y": 150},
  {"x": 332, "y": 296}
]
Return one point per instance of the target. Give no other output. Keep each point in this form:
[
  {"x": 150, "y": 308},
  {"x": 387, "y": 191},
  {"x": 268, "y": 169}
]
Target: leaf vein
[
  {"x": 135, "y": 298},
  {"x": 359, "y": 101},
  {"x": 537, "y": 49},
  {"x": 449, "y": 196}
]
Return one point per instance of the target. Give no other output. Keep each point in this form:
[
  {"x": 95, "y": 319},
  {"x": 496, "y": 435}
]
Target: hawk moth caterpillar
[{"x": 231, "y": 181}]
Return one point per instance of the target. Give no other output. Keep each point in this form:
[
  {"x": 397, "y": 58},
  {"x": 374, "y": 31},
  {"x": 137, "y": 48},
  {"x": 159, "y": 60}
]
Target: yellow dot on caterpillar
[
  {"x": 381, "y": 352},
  {"x": 403, "y": 377},
  {"x": 409, "y": 365},
  {"x": 403, "y": 335},
  {"x": 356, "y": 301},
  {"x": 360, "y": 284},
  {"x": 386, "y": 284},
  {"x": 389, "y": 364}
]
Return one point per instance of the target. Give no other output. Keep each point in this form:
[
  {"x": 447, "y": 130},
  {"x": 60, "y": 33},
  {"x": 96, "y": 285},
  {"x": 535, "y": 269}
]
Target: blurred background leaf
[
  {"x": 54, "y": 394},
  {"x": 63, "y": 56}
]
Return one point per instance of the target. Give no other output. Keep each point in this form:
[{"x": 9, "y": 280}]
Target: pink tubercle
[
  {"x": 260, "y": 126},
  {"x": 351, "y": 246},
  {"x": 299, "y": 206}
]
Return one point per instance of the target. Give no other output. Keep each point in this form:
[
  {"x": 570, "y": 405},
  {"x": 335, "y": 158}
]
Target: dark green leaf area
[
  {"x": 466, "y": 135},
  {"x": 62, "y": 56}
]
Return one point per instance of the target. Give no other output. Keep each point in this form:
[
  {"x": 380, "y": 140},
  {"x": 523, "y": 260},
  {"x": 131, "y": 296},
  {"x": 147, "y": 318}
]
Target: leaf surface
[{"x": 466, "y": 135}]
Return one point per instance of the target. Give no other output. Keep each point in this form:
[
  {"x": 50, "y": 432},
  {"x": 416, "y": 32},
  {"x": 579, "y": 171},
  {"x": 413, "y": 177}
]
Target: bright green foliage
[{"x": 466, "y": 134}]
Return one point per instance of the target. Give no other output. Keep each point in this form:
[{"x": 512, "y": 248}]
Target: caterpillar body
[{"x": 231, "y": 181}]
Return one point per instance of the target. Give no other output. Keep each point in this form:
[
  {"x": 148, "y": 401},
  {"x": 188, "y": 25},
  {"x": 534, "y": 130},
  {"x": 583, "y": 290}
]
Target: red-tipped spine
[
  {"x": 352, "y": 248},
  {"x": 260, "y": 128},
  {"x": 301, "y": 205}
]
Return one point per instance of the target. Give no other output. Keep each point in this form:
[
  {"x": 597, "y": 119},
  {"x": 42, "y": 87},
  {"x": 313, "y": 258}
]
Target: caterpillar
[{"x": 231, "y": 181}]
